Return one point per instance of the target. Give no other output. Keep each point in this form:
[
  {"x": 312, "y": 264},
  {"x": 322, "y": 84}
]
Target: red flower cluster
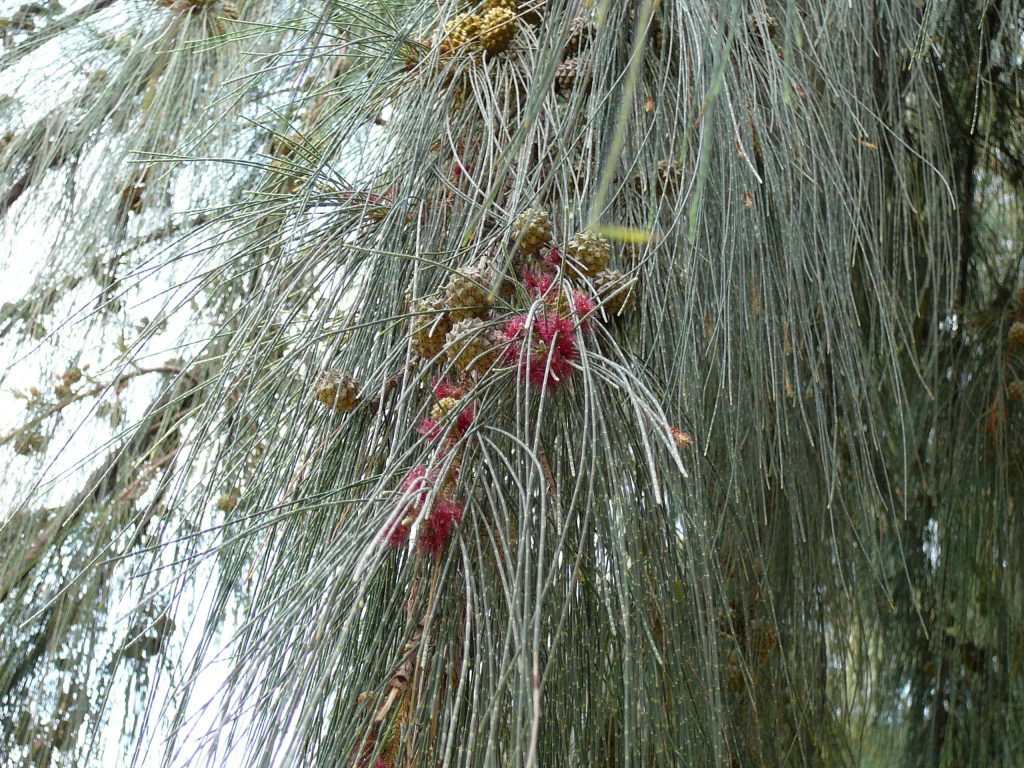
[
  {"x": 585, "y": 305},
  {"x": 543, "y": 347},
  {"x": 445, "y": 388},
  {"x": 538, "y": 282},
  {"x": 442, "y": 516},
  {"x": 437, "y": 528},
  {"x": 553, "y": 256},
  {"x": 415, "y": 489},
  {"x": 543, "y": 285}
]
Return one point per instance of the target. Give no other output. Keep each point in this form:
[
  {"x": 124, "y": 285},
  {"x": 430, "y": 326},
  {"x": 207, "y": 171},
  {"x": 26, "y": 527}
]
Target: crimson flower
[
  {"x": 544, "y": 348},
  {"x": 437, "y": 528}
]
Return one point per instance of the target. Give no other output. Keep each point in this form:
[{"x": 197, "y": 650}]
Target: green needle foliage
[{"x": 400, "y": 383}]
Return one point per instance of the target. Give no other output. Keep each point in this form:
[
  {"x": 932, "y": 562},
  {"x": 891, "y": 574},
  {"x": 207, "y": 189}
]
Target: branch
[
  {"x": 96, "y": 391},
  {"x": 103, "y": 480},
  {"x": 51, "y": 31}
]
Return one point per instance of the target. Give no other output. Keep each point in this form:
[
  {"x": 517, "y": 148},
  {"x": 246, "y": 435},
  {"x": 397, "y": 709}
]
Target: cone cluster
[
  {"x": 493, "y": 29},
  {"x": 478, "y": 335},
  {"x": 586, "y": 256},
  {"x": 571, "y": 69}
]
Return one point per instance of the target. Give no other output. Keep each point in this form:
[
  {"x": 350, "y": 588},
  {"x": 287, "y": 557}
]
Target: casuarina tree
[{"x": 399, "y": 383}]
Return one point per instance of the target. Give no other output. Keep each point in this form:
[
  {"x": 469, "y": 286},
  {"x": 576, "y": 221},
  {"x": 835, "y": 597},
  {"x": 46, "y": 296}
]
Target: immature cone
[
  {"x": 591, "y": 251},
  {"x": 462, "y": 30},
  {"x": 497, "y": 28},
  {"x": 468, "y": 294},
  {"x": 1015, "y": 339},
  {"x": 227, "y": 502},
  {"x": 533, "y": 230},
  {"x": 471, "y": 347},
  {"x": 430, "y": 324},
  {"x": 1020, "y": 298},
  {"x": 1015, "y": 390},
  {"x": 614, "y": 291},
  {"x": 338, "y": 391},
  {"x": 443, "y": 407},
  {"x": 666, "y": 181}
]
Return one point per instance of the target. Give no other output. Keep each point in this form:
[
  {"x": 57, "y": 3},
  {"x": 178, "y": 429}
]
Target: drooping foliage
[{"x": 425, "y": 382}]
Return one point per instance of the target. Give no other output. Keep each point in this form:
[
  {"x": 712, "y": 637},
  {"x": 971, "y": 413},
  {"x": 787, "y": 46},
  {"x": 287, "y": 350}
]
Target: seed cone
[
  {"x": 590, "y": 251},
  {"x": 472, "y": 347},
  {"x": 615, "y": 292},
  {"x": 338, "y": 391},
  {"x": 1015, "y": 339},
  {"x": 670, "y": 175},
  {"x": 533, "y": 230},
  {"x": 497, "y": 29},
  {"x": 1015, "y": 390},
  {"x": 430, "y": 324},
  {"x": 468, "y": 294},
  {"x": 566, "y": 76}
]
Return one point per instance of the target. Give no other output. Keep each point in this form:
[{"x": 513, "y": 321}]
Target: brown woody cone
[{"x": 1015, "y": 390}]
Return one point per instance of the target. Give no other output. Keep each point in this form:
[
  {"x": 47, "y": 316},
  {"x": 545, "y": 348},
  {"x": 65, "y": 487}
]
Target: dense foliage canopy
[{"x": 471, "y": 383}]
